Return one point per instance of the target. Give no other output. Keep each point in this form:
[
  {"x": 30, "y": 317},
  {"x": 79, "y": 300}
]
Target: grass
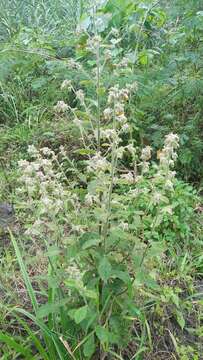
[{"x": 41, "y": 312}]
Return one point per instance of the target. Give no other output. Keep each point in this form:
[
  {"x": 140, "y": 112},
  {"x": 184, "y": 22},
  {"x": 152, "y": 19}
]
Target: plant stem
[{"x": 98, "y": 98}]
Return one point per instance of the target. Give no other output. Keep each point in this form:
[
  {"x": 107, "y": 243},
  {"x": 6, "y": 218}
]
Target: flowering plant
[{"x": 112, "y": 231}]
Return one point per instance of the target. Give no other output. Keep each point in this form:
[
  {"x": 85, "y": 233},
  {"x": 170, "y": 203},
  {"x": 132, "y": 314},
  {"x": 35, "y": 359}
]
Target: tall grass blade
[
  {"x": 34, "y": 339},
  {"x": 25, "y": 275},
  {"x": 52, "y": 339},
  {"x": 11, "y": 343}
]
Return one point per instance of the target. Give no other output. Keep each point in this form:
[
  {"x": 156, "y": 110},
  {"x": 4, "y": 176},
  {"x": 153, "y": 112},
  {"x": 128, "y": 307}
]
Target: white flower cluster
[
  {"x": 168, "y": 155},
  {"x": 117, "y": 95},
  {"x": 93, "y": 43},
  {"x": 35, "y": 229},
  {"x": 124, "y": 226},
  {"x": 116, "y": 101},
  {"x": 61, "y": 107},
  {"x": 107, "y": 55},
  {"x": 167, "y": 159},
  {"x": 98, "y": 163},
  {"x": 115, "y": 32},
  {"x": 131, "y": 149},
  {"x": 73, "y": 272},
  {"x": 125, "y": 128},
  {"x": 132, "y": 87},
  {"x": 80, "y": 96},
  {"x": 145, "y": 157},
  {"x": 41, "y": 181},
  {"x": 129, "y": 177},
  {"x": 109, "y": 134},
  {"x": 72, "y": 64},
  {"x": 146, "y": 153},
  {"x": 123, "y": 63},
  {"x": 66, "y": 84},
  {"x": 108, "y": 114},
  {"x": 91, "y": 199}
]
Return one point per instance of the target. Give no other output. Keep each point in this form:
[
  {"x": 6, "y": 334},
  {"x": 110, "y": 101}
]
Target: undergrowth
[{"x": 101, "y": 161}]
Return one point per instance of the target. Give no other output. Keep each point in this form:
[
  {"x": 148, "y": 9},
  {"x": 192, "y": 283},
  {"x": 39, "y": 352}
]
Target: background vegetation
[{"x": 56, "y": 272}]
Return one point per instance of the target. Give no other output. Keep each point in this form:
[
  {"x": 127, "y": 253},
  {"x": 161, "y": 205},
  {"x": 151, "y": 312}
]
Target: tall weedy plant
[{"x": 101, "y": 239}]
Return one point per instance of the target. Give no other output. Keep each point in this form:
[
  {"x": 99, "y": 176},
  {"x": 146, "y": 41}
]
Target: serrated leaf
[
  {"x": 143, "y": 58},
  {"x": 180, "y": 319},
  {"x": 71, "y": 313},
  {"x": 47, "y": 309},
  {"x": 102, "y": 334},
  {"x": 122, "y": 275},
  {"x": 84, "y": 152},
  {"x": 53, "y": 251},
  {"x": 157, "y": 249},
  {"x": 80, "y": 314},
  {"x": 145, "y": 278},
  {"x": 89, "y": 347},
  {"x": 91, "y": 294},
  {"x": 104, "y": 269},
  {"x": 91, "y": 242},
  {"x": 158, "y": 220}
]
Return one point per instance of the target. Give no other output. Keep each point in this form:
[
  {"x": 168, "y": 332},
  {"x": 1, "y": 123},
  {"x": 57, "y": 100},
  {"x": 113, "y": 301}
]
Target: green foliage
[{"x": 100, "y": 111}]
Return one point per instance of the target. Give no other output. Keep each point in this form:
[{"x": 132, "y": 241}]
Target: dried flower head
[
  {"x": 125, "y": 128},
  {"x": 108, "y": 134},
  {"x": 72, "y": 64},
  {"x": 80, "y": 96},
  {"x": 131, "y": 149},
  {"x": 107, "y": 54},
  {"x": 93, "y": 43},
  {"x": 32, "y": 151},
  {"x": 98, "y": 163},
  {"x": 132, "y": 87},
  {"x": 61, "y": 107},
  {"x": 129, "y": 178},
  {"x": 115, "y": 32},
  {"x": 123, "y": 63},
  {"x": 146, "y": 153},
  {"x": 108, "y": 113},
  {"x": 66, "y": 84}
]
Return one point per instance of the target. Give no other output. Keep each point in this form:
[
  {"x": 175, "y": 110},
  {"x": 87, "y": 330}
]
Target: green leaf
[
  {"x": 180, "y": 319},
  {"x": 122, "y": 275},
  {"x": 89, "y": 243},
  {"x": 143, "y": 58},
  {"x": 91, "y": 294},
  {"x": 80, "y": 314},
  {"x": 144, "y": 278},
  {"x": 104, "y": 269},
  {"x": 102, "y": 21},
  {"x": 39, "y": 345},
  {"x": 11, "y": 343},
  {"x": 71, "y": 313},
  {"x": 25, "y": 275},
  {"x": 101, "y": 91},
  {"x": 157, "y": 249},
  {"x": 52, "y": 251},
  {"x": 158, "y": 220},
  {"x": 175, "y": 299},
  {"x": 47, "y": 309},
  {"x": 39, "y": 83},
  {"x": 102, "y": 334},
  {"x": 47, "y": 333},
  {"x": 89, "y": 347},
  {"x": 84, "y": 152}
]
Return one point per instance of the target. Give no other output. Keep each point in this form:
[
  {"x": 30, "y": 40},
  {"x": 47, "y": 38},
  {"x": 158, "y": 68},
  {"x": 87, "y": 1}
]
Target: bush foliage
[{"x": 100, "y": 123}]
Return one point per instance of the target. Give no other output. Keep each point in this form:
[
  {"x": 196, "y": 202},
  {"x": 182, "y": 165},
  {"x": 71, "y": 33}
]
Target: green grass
[{"x": 37, "y": 38}]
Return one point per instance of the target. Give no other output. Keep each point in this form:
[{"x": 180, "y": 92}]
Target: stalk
[
  {"x": 97, "y": 84},
  {"x": 113, "y": 167}
]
